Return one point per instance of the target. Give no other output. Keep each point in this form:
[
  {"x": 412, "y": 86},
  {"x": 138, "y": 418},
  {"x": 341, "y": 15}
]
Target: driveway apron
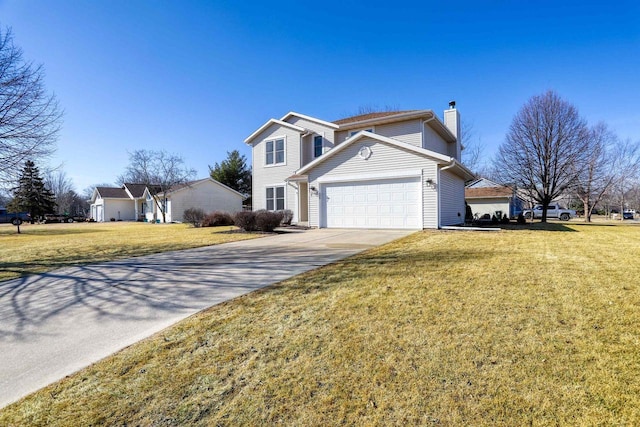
[{"x": 56, "y": 323}]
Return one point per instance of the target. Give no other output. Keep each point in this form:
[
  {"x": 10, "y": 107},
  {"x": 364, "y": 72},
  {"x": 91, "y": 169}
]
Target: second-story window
[
  {"x": 353, "y": 132},
  {"x": 317, "y": 146},
  {"x": 275, "y": 151}
]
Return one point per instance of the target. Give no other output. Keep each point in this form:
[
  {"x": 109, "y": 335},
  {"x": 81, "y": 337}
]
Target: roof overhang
[
  {"x": 407, "y": 115},
  {"x": 297, "y": 178},
  {"x": 427, "y": 116},
  {"x": 273, "y": 122},
  {"x": 309, "y": 118}
]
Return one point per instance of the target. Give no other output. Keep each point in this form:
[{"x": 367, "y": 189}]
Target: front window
[
  {"x": 275, "y": 152},
  {"x": 317, "y": 146},
  {"x": 275, "y": 198}
]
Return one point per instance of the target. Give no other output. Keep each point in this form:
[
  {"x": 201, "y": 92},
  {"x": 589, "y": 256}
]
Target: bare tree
[
  {"x": 29, "y": 118},
  {"x": 473, "y": 152},
  {"x": 610, "y": 164},
  {"x": 159, "y": 171},
  {"x": 67, "y": 200},
  {"x": 627, "y": 173},
  {"x": 546, "y": 145}
]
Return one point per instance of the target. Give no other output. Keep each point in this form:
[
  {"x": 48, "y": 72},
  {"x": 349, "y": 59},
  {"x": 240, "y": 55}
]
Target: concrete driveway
[{"x": 56, "y": 323}]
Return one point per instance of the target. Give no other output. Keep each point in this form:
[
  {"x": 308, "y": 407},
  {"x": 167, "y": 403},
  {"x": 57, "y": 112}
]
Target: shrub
[
  {"x": 217, "y": 219},
  {"x": 468, "y": 213},
  {"x": 505, "y": 219},
  {"x": 494, "y": 219},
  {"x": 245, "y": 220},
  {"x": 193, "y": 216},
  {"x": 287, "y": 216},
  {"x": 521, "y": 219},
  {"x": 268, "y": 220}
]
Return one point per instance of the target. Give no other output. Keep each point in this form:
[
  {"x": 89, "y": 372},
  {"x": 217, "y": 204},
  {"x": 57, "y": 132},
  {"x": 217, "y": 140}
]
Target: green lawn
[
  {"x": 45, "y": 247},
  {"x": 534, "y": 326}
]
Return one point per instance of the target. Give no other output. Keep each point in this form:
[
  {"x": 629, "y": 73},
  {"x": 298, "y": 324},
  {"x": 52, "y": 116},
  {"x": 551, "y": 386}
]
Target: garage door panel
[{"x": 393, "y": 203}]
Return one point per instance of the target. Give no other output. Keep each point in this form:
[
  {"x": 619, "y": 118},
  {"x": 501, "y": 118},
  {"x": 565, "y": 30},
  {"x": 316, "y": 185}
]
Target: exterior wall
[
  {"x": 430, "y": 206},
  {"x": 451, "y": 189},
  {"x": 266, "y": 176},
  {"x": 434, "y": 142},
  {"x": 317, "y": 128},
  {"x": 97, "y": 210},
  {"x": 326, "y": 132},
  {"x": 384, "y": 162},
  {"x": 489, "y": 205},
  {"x": 408, "y": 131},
  {"x": 207, "y": 196},
  {"x": 119, "y": 209}
]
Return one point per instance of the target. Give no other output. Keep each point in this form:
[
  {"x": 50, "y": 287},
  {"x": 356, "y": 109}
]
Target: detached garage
[{"x": 372, "y": 181}]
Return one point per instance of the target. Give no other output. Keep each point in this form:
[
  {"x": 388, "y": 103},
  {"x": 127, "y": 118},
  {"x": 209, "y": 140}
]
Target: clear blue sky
[{"x": 196, "y": 78}]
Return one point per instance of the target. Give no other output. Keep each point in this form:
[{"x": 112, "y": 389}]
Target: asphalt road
[{"x": 56, "y": 323}]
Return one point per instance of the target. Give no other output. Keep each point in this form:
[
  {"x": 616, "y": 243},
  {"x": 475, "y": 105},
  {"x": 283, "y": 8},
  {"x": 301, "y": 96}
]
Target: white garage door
[{"x": 389, "y": 203}]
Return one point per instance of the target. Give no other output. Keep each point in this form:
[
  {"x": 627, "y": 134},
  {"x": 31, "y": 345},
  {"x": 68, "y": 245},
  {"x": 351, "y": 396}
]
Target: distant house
[
  {"x": 487, "y": 197},
  {"x": 134, "y": 202},
  {"x": 397, "y": 169}
]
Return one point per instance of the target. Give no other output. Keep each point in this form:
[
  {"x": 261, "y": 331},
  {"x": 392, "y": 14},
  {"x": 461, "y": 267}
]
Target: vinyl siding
[
  {"x": 119, "y": 209},
  {"x": 264, "y": 176},
  {"x": 430, "y": 197},
  {"x": 433, "y": 141},
  {"x": 307, "y": 142},
  {"x": 408, "y": 131},
  {"x": 452, "y": 207},
  {"x": 489, "y": 206},
  {"x": 207, "y": 196},
  {"x": 348, "y": 163},
  {"x": 314, "y": 127}
]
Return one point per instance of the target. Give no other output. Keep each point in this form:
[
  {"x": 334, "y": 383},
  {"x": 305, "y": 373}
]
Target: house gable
[
  {"x": 254, "y": 136},
  {"x": 438, "y": 158}
]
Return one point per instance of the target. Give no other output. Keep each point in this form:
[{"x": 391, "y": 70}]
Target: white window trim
[
  {"x": 264, "y": 154},
  {"x": 313, "y": 144},
  {"x": 264, "y": 194}
]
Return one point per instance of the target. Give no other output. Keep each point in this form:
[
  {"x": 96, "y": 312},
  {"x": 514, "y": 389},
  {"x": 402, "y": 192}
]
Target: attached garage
[
  {"x": 372, "y": 181},
  {"x": 384, "y": 203}
]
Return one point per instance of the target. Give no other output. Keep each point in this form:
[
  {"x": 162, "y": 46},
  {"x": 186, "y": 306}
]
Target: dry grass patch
[
  {"x": 523, "y": 327},
  {"x": 45, "y": 247}
]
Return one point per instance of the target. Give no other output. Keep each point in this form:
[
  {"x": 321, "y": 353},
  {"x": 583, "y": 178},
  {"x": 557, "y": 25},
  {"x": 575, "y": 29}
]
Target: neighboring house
[
  {"x": 134, "y": 202},
  {"x": 487, "y": 197},
  {"x": 206, "y": 194},
  {"x": 381, "y": 170}
]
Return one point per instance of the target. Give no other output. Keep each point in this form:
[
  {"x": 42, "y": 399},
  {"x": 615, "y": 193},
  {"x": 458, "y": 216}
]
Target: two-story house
[{"x": 381, "y": 170}]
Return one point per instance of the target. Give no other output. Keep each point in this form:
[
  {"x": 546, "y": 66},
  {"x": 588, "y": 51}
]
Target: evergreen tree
[
  {"x": 233, "y": 172},
  {"x": 31, "y": 195}
]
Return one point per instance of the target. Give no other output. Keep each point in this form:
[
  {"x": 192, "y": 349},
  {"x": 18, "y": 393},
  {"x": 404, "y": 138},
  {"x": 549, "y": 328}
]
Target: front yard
[
  {"x": 535, "y": 326},
  {"x": 45, "y": 247}
]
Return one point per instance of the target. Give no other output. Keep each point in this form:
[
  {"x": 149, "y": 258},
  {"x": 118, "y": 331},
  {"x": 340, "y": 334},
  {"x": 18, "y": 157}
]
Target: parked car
[
  {"x": 554, "y": 210},
  {"x": 14, "y": 218},
  {"x": 628, "y": 214}
]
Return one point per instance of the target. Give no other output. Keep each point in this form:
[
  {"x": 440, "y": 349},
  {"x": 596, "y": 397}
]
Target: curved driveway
[{"x": 56, "y": 323}]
